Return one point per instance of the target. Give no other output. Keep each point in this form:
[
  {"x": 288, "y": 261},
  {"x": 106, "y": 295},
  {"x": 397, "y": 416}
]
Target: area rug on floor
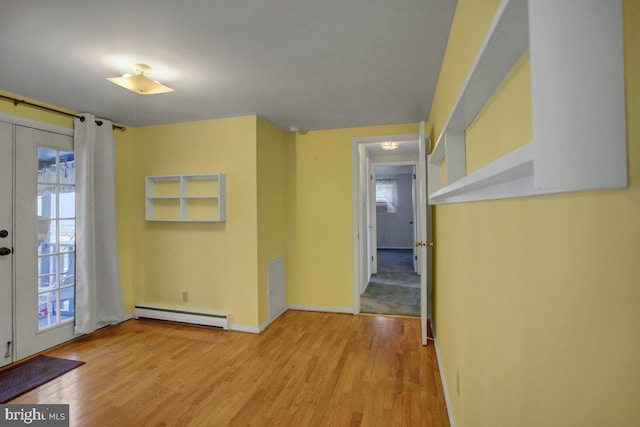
[
  {"x": 395, "y": 260},
  {"x": 399, "y": 300},
  {"x": 32, "y": 373},
  {"x": 395, "y": 288}
]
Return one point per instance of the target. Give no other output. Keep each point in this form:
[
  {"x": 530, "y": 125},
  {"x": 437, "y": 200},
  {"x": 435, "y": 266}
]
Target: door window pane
[
  {"x": 48, "y": 309},
  {"x": 47, "y": 165},
  {"x": 47, "y": 201},
  {"x": 67, "y": 241},
  {"x": 67, "y": 269},
  {"x": 47, "y": 236},
  {"x": 67, "y": 168},
  {"x": 67, "y": 303},
  {"x": 47, "y": 282},
  {"x": 47, "y": 265},
  {"x": 68, "y": 201}
]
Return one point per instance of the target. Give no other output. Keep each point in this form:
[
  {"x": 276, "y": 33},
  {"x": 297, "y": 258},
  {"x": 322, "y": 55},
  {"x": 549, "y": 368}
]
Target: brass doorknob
[{"x": 418, "y": 244}]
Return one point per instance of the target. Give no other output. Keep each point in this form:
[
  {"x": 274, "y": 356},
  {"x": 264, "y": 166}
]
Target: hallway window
[{"x": 386, "y": 195}]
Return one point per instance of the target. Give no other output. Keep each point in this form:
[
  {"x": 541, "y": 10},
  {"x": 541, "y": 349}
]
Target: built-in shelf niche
[
  {"x": 191, "y": 198},
  {"x": 577, "y": 103}
]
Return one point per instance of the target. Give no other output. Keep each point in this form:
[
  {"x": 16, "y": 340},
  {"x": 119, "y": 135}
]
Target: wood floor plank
[{"x": 306, "y": 369}]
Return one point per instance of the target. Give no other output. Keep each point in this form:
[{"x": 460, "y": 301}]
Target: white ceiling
[{"x": 319, "y": 64}]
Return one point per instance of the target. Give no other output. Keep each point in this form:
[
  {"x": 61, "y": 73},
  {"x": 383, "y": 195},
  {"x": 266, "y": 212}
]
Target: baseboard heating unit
[{"x": 201, "y": 318}]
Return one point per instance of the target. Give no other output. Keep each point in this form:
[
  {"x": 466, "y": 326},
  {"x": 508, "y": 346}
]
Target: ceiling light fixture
[
  {"x": 390, "y": 145},
  {"x": 140, "y": 83}
]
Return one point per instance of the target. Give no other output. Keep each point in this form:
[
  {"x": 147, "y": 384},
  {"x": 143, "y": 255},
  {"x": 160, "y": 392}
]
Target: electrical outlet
[
  {"x": 458, "y": 383},
  {"x": 185, "y": 296}
]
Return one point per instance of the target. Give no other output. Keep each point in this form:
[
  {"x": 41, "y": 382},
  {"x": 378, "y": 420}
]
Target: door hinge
[
  {"x": 414, "y": 176},
  {"x": 416, "y": 257},
  {"x": 371, "y": 258},
  {"x": 8, "y": 353}
]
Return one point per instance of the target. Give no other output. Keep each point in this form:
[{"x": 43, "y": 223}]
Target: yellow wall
[
  {"x": 34, "y": 113},
  {"x": 537, "y": 299},
  {"x": 319, "y": 245},
  {"x": 509, "y": 127},
  {"x": 288, "y": 195},
  {"x": 216, "y": 263},
  {"x": 271, "y": 208}
]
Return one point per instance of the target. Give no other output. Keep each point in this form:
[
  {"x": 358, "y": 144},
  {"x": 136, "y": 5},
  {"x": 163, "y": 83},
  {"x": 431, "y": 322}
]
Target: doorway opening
[
  {"x": 365, "y": 153},
  {"x": 394, "y": 285}
]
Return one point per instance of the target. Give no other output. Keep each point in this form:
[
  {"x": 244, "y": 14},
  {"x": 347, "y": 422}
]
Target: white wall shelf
[
  {"x": 577, "y": 103},
  {"x": 191, "y": 198}
]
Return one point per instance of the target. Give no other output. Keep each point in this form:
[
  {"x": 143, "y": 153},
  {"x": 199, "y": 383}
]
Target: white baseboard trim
[
  {"x": 445, "y": 389},
  {"x": 266, "y": 323},
  {"x": 232, "y": 327},
  {"x": 244, "y": 328},
  {"x": 321, "y": 308},
  {"x": 204, "y": 318},
  {"x": 254, "y": 329}
]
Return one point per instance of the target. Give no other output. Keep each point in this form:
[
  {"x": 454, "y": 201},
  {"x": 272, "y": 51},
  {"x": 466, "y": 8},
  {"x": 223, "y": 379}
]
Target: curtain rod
[{"x": 17, "y": 102}]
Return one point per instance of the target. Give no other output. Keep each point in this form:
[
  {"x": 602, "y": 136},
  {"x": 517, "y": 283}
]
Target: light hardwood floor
[{"x": 306, "y": 369}]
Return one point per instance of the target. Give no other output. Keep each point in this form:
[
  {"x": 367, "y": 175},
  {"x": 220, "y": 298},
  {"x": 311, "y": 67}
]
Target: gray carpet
[{"x": 395, "y": 289}]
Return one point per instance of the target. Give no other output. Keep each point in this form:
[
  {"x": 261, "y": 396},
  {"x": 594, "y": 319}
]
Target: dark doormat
[{"x": 28, "y": 375}]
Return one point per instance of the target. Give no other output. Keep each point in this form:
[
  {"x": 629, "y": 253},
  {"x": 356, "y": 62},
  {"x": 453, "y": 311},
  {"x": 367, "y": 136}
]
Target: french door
[
  {"x": 6, "y": 243},
  {"x": 41, "y": 223}
]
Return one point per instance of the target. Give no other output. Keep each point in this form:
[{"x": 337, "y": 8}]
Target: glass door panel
[{"x": 56, "y": 236}]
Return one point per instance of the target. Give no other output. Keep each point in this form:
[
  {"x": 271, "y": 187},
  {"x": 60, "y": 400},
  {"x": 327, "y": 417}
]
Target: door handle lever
[{"x": 419, "y": 244}]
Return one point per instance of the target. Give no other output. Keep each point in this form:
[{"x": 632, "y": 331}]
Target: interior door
[
  {"x": 6, "y": 243},
  {"x": 373, "y": 219},
  {"x": 44, "y": 240},
  {"x": 421, "y": 243},
  {"x": 429, "y": 254},
  {"x": 416, "y": 224}
]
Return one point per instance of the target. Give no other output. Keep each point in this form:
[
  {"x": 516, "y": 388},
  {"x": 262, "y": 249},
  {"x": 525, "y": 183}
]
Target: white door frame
[{"x": 359, "y": 206}]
